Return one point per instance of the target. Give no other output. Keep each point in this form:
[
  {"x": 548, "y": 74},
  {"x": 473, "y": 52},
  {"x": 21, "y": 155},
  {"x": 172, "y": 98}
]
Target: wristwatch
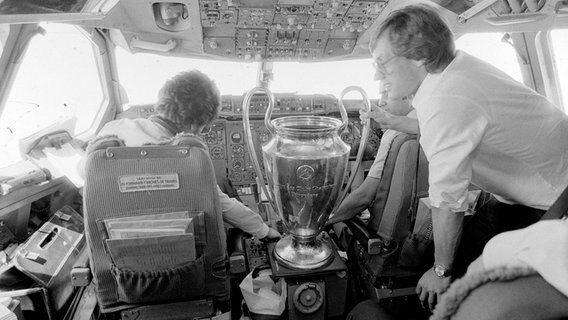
[{"x": 441, "y": 271}]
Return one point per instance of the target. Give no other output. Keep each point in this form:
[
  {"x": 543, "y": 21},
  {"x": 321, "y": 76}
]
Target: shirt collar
[
  {"x": 431, "y": 80},
  {"x": 165, "y": 123}
]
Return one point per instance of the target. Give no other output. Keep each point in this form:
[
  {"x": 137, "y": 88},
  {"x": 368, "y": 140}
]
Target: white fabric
[
  {"x": 542, "y": 246},
  {"x": 136, "y": 132},
  {"x": 480, "y": 126},
  {"x": 376, "y": 170},
  {"x": 262, "y": 294}
]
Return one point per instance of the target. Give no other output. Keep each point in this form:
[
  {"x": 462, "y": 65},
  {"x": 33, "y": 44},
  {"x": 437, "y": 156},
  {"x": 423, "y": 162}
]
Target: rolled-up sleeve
[{"x": 451, "y": 128}]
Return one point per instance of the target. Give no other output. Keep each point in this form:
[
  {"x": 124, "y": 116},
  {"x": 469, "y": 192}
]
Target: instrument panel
[
  {"x": 284, "y": 104},
  {"x": 285, "y": 30},
  {"x": 226, "y": 137},
  {"x": 240, "y": 165}
]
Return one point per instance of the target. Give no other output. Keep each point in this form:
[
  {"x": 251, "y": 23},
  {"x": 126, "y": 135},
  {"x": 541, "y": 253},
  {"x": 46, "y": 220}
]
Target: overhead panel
[
  {"x": 285, "y": 29},
  {"x": 251, "y": 43}
]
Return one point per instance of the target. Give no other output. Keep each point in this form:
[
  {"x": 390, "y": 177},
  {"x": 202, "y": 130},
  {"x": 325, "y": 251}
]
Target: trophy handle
[
  {"x": 364, "y": 136},
  {"x": 248, "y": 135}
]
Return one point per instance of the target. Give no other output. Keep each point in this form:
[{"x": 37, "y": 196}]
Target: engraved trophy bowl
[{"x": 305, "y": 163}]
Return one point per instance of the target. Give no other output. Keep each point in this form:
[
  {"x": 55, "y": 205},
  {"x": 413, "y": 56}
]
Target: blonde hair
[{"x": 418, "y": 32}]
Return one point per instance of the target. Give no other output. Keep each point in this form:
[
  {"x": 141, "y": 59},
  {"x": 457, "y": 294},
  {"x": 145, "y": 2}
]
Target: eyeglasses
[{"x": 380, "y": 66}]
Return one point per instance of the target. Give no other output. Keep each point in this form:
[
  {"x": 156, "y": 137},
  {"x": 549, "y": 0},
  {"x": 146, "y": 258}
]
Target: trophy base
[{"x": 306, "y": 255}]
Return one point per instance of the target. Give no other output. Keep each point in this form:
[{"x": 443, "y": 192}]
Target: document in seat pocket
[
  {"x": 130, "y": 233},
  {"x": 192, "y": 222},
  {"x": 153, "y": 253},
  {"x": 179, "y": 225}
]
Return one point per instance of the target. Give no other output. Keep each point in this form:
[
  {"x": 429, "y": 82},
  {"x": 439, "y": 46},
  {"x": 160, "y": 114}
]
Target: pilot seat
[
  {"x": 384, "y": 269},
  {"x": 154, "y": 230}
]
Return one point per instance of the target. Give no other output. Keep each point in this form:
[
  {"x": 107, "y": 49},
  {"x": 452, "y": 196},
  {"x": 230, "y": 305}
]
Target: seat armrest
[
  {"x": 236, "y": 251},
  {"x": 372, "y": 242},
  {"x": 81, "y": 273},
  {"x": 235, "y": 241}
]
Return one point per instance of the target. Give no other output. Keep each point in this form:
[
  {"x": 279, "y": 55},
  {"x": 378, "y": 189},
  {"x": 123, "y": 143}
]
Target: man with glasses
[{"x": 478, "y": 127}]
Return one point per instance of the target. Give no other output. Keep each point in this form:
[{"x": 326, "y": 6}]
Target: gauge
[
  {"x": 217, "y": 153},
  {"x": 237, "y": 150},
  {"x": 236, "y": 176},
  {"x": 250, "y": 176},
  {"x": 236, "y": 137},
  {"x": 263, "y": 136},
  {"x": 237, "y": 165}
]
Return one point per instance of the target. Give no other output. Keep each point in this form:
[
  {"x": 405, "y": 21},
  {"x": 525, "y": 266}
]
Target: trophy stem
[{"x": 303, "y": 253}]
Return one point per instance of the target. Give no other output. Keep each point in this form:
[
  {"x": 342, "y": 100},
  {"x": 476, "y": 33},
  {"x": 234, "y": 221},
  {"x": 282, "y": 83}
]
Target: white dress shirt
[{"x": 480, "y": 126}]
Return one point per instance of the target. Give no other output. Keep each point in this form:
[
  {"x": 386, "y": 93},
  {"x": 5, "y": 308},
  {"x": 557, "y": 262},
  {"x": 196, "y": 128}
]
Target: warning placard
[{"x": 148, "y": 182}]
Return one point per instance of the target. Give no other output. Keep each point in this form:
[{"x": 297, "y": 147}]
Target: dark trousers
[{"x": 491, "y": 218}]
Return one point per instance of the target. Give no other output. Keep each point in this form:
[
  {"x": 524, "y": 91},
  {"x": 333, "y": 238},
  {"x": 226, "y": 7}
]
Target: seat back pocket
[{"x": 181, "y": 282}]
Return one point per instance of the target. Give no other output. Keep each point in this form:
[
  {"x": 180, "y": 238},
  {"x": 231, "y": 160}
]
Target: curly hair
[
  {"x": 189, "y": 98},
  {"x": 417, "y": 32}
]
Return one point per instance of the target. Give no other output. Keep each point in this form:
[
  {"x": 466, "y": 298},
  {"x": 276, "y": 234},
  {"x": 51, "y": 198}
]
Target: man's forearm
[
  {"x": 405, "y": 124},
  {"x": 357, "y": 201},
  {"x": 447, "y": 228},
  {"x": 351, "y": 206}
]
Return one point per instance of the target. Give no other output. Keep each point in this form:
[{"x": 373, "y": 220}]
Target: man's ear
[
  {"x": 419, "y": 63},
  {"x": 421, "y": 66}
]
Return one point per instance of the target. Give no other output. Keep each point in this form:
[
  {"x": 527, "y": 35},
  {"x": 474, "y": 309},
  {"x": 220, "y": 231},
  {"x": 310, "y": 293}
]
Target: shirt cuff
[{"x": 454, "y": 204}]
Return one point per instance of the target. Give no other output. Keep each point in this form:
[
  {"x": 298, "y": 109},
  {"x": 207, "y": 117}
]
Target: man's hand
[
  {"x": 430, "y": 287},
  {"x": 338, "y": 217},
  {"x": 385, "y": 119},
  {"x": 272, "y": 234}
]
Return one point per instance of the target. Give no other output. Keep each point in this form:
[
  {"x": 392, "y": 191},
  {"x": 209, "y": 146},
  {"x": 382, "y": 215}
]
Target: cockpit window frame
[{"x": 12, "y": 61}]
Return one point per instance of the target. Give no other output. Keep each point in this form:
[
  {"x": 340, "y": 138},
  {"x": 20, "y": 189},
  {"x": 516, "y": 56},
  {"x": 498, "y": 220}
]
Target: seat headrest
[
  {"x": 109, "y": 141},
  {"x": 190, "y": 140},
  {"x": 104, "y": 142}
]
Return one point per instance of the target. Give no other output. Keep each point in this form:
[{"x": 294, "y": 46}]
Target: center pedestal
[{"x": 318, "y": 293}]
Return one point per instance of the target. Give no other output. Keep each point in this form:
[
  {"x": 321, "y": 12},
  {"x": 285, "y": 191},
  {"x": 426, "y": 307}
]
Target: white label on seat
[{"x": 148, "y": 182}]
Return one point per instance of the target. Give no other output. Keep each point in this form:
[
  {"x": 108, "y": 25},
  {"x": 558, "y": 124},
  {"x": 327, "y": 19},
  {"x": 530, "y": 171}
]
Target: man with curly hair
[{"x": 187, "y": 103}]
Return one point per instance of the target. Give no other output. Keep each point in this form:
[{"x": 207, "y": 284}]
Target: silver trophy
[{"x": 305, "y": 163}]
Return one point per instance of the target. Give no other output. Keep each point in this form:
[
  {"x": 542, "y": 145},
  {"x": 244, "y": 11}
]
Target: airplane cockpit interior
[{"x": 232, "y": 217}]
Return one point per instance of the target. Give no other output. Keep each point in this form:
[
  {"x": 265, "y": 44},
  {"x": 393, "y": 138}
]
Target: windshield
[
  {"x": 142, "y": 75},
  {"x": 236, "y": 78},
  {"x": 324, "y": 77},
  {"x": 502, "y": 54},
  {"x": 560, "y": 47},
  {"x": 57, "y": 87}
]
